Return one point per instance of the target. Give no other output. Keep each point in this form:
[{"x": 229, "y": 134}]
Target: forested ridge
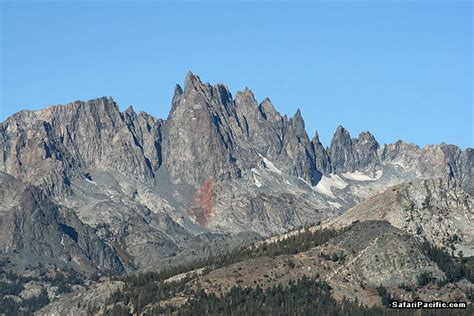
[{"x": 144, "y": 293}]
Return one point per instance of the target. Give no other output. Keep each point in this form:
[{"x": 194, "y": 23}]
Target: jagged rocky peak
[
  {"x": 323, "y": 163},
  {"x": 192, "y": 82},
  {"x": 268, "y": 110},
  {"x": 130, "y": 112},
  {"x": 201, "y": 128},
  {"x": 212, "y": 135},
  {"x": 246, "y": 97},
  {"x": 247, "y": 106},
  {"x": 297, "y": 156},
  {"x": 366, "y": 137},
  {"x": 316, "y": 137},
  {"x": 341, "y": 151},
  {"x": 205, "y": 93},
  {"x": 353, "y": 154},
  {"x": 80, "y": 135},
  {"x": 298, "y": 121},
  {"x": 433, "y": 161},
  {"x": 342, "y": 138},
  {"x": 208, "y": 135},
  {"x": 366, "y": 147}
]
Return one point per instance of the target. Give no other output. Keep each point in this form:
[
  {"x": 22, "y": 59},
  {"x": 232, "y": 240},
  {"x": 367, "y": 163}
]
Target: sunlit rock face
[{"x": 217, "y": 166}]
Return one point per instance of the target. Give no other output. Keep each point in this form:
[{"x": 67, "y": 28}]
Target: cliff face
[
  {"x": 49, "y": 147},
  {"x": 208, "y": 134},
  {"x": 218, "y": 164},
  {"x": 31, "y": 224}
]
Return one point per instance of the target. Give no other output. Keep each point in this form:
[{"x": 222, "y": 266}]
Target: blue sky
[{"x": 400, "y": 69}]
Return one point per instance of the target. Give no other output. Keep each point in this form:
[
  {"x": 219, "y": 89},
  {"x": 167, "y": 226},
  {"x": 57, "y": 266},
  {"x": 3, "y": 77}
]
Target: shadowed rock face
[
  {"x": 32, "y": 224},
  {"x": 323, "y": 162}
]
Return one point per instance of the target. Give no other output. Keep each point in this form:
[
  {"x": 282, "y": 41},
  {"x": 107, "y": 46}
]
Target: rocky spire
[
  {"x": 268, "y": 110},
  {"x": 192, "y": 82},
  {"x": 357, "y": 154},
  {"x": 341, "y": 152},
  {"x": 201, "y": 129},
  {"x": 298, "y": 154},
  {"x": 323, "y": 163},
  {"x": 298, "y": 121},
  {"x": 366, "y": 147}
]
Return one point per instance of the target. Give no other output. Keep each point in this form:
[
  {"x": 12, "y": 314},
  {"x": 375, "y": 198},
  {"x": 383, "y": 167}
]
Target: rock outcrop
[
  {"x": 436, "y": 209},
  {"x": 33, "y": 225},
  {"x": 353, "y": 154}
]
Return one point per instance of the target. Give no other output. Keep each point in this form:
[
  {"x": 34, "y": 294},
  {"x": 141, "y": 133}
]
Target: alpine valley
[{"x": 225, "y": 207}]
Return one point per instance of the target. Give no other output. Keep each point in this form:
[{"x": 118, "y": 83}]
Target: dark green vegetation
[
  {"x": 139, "y": 295},
  {"x": 291, "y": 245},
  {"x": 143, "y": 292},
  {"x": 305, "y": 297},
  {"x": 454, "y": 268},
  {"x": 12, "y": 284},
  {"x": 147, "y": 288},
  {"x": 9, "y": 306}
]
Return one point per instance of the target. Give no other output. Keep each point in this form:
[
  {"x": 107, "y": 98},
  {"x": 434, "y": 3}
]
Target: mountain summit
[{"x": 219, "y": 173}]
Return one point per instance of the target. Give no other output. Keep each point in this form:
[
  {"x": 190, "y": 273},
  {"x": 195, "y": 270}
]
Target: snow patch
[
  {"x": 256, "y": 172},
  {"x": 270, "y": 166},
  {"x": 90, "y": 181},
  {"x": 397, "y": 163},
  {"x": 62, "y": 240},
  {"x": 304, "y": 181},
  {"x": 359, "y": 176},
  {"x": 334, "y": 204},
  {"x": 326, "y": 183},
  {"x": 257, "y": 182}
]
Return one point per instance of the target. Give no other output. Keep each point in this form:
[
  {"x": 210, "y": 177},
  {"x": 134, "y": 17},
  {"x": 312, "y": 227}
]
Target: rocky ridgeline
[
  {"x": 218, "y": 164},
  {"x": 208, "y": 134}
]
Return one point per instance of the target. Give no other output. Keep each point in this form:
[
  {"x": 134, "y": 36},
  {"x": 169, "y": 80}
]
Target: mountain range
[{"x": 89, "y": 190}]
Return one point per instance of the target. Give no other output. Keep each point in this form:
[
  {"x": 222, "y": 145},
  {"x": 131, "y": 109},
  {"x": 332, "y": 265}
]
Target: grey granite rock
[
  {"x": 349, "y": 155},
  {"x": 31, "y": 224},
  {"x": 323, "y": 163},
  {"x": 217, "y": 165}
]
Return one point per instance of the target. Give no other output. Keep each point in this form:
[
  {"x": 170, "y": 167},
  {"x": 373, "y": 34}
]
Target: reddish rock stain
[{"x": 203, "y": 203}]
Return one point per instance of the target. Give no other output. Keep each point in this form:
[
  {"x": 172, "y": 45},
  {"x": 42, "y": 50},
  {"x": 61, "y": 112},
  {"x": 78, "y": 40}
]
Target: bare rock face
[
  {"x": 433, "y": 161},
  {"x": 200, "y": 137},
  {"x": 436, "y": 209},
  {"x": 211, "y": 135},
  {"x": 49, "y": 147},
  {"x": 349, "y": 155},
  {"x": 33, "y": 225},
  {"x": 147, "y": 133},
  {"x": 299, "y": 152},
  {"x": 323, "y": 163},
  {"x": 218, "y": 164}
]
